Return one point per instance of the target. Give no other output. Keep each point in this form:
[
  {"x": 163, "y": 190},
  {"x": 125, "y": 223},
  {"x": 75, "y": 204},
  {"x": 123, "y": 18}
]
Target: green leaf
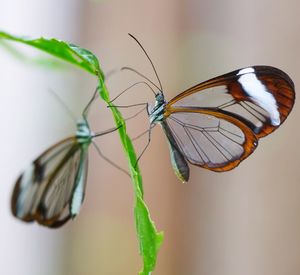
[
  {"x": 149, "y": 239},
  {"x": 63, "y": 50},
  {"x": 41, "y": 61}
]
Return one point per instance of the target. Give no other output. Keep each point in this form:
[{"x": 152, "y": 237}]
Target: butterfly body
[
  {"x": 84, "y": 134},
  {"x": 156, "y": 114}
]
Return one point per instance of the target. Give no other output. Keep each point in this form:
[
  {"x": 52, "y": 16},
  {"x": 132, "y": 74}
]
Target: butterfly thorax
[
  {"x": 83, "y": 134},
  {"x": 156, "y": 112}
]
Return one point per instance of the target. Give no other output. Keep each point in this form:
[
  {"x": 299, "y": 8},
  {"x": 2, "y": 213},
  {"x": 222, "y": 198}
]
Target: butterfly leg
[
  {"x": 148, "y": 142},
  {"x": 143, "y": 133},
  {"x": 109, "y": 160},
  {"x": 136, "y": 114},
  {"x": 130, "y": 87}
]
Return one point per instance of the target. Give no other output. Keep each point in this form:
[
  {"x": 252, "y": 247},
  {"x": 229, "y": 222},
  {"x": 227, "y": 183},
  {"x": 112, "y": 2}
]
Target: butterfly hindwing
[{"x": 211, "y": 140}]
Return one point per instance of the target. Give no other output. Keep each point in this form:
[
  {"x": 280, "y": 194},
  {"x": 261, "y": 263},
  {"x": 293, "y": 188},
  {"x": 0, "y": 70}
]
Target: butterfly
[
  {"x": 52, "y": 188},
  {"x": 217, "y": 124}
]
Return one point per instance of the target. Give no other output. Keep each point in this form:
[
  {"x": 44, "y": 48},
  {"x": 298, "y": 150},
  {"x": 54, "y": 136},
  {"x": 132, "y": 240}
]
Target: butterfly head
[
  {"x": 156, "y": 112},
  {"x": 83, "y": 134}
]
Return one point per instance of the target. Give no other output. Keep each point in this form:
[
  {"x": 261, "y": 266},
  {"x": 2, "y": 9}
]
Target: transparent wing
[
  {"x": 212, "y": 140},
  {"x": 45, "y": 190},
  {"x": 262, "y": 96}
]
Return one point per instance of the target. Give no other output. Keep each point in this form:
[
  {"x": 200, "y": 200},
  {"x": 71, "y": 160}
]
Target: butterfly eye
[{"x": 160, "y": 98}]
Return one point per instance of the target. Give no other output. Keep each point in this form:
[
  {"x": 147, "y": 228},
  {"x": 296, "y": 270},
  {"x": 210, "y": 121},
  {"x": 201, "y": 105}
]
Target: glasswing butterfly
[
  {"x": 51, "y": 190},
  {"x": 216, "y": 124}
]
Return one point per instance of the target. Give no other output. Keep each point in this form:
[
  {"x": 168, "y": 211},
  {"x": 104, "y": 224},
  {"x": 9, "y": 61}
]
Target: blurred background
[{"x": 245, "y": 221}]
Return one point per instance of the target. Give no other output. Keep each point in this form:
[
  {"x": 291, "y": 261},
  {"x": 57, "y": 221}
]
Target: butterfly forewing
[
  {"x": 44, "y": 191},
  {"x": 260, "y": 96},
  {"x": 54, "y": 204},
  {"x": 210, "y": 139}
]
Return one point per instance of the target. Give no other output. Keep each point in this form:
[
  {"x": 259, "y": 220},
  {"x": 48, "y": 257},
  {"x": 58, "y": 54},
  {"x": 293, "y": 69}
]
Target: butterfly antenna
[
  {"x": 63, "y": 104},
  {"x": 141, "y": 75},
  {"x": 111, "y": 73},
  {"x": 87, "y": 107},
  {"x": 161, "y": 89}
]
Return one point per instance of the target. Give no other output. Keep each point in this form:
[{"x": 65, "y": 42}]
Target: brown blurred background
[{"x": 241, "y": 222}]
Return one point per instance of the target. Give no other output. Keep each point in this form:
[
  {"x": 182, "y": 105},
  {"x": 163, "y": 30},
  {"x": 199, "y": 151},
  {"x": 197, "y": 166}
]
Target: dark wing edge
[
  {"x": 32, "y": 187},
  {"x": 274, "y": 81},
  {"x": 78, "y": 193}
]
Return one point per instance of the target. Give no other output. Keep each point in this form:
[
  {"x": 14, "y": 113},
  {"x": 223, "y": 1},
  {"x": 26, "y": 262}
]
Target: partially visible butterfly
[
  {"x": 217, "y": 123},
  {"x": 51, "y": 190}
]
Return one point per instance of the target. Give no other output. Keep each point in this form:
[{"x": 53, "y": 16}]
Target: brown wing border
[
  {"x": 277, "y": 82},
  {"x": 249, "y": 145}
]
